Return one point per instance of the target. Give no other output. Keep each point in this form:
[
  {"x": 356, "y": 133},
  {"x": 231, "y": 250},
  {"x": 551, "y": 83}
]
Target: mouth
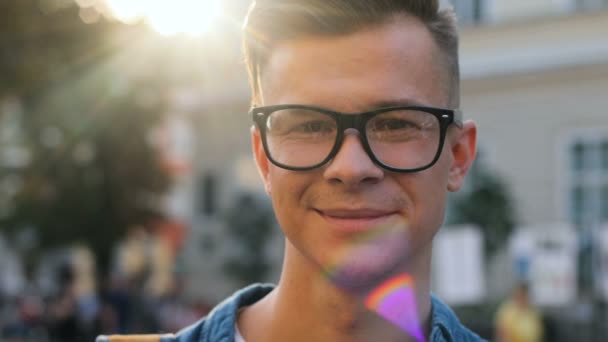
[{"x": 356, "y": 220}]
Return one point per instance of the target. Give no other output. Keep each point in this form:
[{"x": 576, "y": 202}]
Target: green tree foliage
[
  {"x": 90, "y": 100},
  {"x": 487, "y": 204},
  {"x": 249, "y": 224}
]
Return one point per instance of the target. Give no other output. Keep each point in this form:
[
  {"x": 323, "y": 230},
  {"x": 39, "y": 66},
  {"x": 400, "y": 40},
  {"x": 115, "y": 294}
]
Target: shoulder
[
  {"x": 445, "y": 326},
  {"x": 219, "y": 324}
]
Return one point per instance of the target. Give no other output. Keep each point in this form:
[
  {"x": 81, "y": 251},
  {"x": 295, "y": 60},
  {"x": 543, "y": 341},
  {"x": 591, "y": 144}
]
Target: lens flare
[
  {"x": 359, "y": 263},
  {"x": 395, "y": 301},
  {"x": 192, "y": 17},
  {"x": 370, "y": 265}
]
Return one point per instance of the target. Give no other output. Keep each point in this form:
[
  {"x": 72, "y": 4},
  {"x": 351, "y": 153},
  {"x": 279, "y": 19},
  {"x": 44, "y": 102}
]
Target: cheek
[
  {"x": 435, "y": 195},
  {"x": 287, "y": 189},
  {"x": 427, "y": 193}
]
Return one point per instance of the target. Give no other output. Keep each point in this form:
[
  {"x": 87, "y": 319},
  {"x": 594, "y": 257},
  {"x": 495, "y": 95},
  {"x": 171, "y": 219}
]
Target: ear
[
  {"x": 463, "y": 146},
  {"x": 261, "y": 159}
]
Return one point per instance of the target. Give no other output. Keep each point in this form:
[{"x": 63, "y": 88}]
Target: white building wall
[
  {"x": 524, "y": 119},
  {"x": 502, "y": 10},
  {"x": 524, "y": 114}
]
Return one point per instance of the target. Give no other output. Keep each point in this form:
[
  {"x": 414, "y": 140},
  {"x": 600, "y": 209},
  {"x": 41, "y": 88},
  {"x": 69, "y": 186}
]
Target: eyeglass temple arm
[{"x": 458, "y": 117}]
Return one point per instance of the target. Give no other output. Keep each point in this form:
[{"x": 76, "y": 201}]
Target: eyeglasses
[{"x": 401, "y": 139}]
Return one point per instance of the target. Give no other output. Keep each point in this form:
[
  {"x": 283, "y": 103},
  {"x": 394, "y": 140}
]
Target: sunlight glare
[{"x": 192, "y": 17}]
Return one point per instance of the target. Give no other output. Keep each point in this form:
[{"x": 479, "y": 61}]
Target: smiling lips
[{"x": 356, "y": 220}]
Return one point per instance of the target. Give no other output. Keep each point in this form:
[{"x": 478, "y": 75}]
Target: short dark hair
[{"x": 270, "y": 22}]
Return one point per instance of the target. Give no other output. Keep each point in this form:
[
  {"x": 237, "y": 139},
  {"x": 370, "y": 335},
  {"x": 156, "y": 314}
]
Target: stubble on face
[{"x": 350, "y": 74}]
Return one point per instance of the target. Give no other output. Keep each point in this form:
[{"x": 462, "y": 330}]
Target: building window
[
  {"x": 209, "y": 194},
  {"x": 587, "y": 189},
  {"x": 469, "y": 11},
  {"x": 590, "y": 5}
]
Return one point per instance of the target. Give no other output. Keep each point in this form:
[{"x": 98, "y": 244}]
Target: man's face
[{"x": 353, "y": 219}]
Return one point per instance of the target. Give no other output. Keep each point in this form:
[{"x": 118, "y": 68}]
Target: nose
[{"x": 352, "y": 165}]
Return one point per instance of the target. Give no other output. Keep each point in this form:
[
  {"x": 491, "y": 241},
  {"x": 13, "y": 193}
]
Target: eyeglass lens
[{"x": 403, "y": 139}]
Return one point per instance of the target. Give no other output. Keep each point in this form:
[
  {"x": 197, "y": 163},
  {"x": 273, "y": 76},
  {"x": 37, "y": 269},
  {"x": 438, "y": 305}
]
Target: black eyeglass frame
[{"x": 357, "y": 121}]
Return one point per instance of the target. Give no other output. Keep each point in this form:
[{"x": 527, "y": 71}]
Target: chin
[
  {"x": 358, "y": 280},
  {"x": 360, "y": 267}
]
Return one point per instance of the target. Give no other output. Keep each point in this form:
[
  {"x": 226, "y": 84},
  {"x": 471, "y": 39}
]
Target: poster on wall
[
  {"x": 458, "y": 259},
  {"x": 553, "y": 267}
]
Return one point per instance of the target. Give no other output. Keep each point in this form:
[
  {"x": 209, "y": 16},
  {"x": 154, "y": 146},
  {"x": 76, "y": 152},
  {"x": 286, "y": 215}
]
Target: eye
[
  {"x": 300, "y": 122},
  {"x": 313, "y": 127},
  {"x": 392, "y": 124}
]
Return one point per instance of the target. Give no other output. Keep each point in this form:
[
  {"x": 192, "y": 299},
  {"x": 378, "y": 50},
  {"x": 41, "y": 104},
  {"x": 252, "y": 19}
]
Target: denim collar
[
  {"x": 219, "y": 325},
  {"x": 445, "y": 326}
]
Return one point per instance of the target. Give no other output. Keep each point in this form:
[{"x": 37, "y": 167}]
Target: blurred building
[
  {"x": 207, "y": 136},
  {"x": 536, "y": 85},
  {"x": 211, "y": 170},
  {"x": 535, "y": 79}
]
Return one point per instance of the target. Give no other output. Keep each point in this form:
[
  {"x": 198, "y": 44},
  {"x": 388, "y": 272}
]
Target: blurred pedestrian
[
  {"x": 62, "y": 312},
  {"x": 517, "y": 320}
]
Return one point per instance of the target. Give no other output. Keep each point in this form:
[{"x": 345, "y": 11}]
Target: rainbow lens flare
[
  {"x": 362, "y": 264},
  {"x": 394, "y": 301},
  {"x": 363, "y": 261}
]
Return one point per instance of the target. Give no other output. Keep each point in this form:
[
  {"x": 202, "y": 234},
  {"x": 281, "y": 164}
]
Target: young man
[{"x": 358, "y": 139}]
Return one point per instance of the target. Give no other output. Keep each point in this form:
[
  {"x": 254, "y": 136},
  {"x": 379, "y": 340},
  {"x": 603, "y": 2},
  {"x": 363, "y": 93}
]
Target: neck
[{"x": 307, "y": 306}]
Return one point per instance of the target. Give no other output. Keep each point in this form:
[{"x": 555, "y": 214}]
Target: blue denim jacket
[{"x": 219, "y": 325}]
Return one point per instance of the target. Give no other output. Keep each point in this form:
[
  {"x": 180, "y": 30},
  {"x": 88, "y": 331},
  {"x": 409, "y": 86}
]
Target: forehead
[{"x": 394, "y": 62}]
